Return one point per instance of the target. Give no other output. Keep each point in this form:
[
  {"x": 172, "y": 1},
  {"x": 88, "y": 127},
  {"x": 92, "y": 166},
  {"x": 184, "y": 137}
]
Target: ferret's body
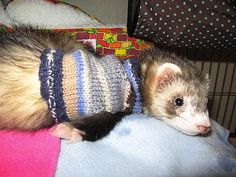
[
  {"x": 172, "y": 88},
  {"x": 21, "y": 104}
]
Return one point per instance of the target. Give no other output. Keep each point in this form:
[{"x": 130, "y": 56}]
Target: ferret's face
[
  {"x": 183, "y": 106},
  {"x": 178, "y": 100}
]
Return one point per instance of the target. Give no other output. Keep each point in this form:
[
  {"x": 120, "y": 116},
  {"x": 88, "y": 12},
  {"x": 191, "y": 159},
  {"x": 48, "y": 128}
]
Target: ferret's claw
[{"x": 68, "y": 132}]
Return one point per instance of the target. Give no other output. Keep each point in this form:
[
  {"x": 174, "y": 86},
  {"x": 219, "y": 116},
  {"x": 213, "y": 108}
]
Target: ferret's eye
[{"x": 179, "y": 102}]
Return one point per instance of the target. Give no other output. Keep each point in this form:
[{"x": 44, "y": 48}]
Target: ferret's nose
[{"x": 203, "y": 129}]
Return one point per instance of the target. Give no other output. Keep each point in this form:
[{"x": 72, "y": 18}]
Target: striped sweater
[{"x": 79, "y": 84}]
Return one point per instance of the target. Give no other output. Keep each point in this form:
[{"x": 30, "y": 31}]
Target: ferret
[{"x": 167, "y": 87}]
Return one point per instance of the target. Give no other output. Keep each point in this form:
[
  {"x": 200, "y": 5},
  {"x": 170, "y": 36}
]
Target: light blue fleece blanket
[{"x": 141, "y": 146}]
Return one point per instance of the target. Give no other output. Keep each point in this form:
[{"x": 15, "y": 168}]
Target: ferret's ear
[{"x": 165, "y": 74}]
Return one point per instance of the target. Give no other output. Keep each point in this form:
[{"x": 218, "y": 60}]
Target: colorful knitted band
[
  {"x": 79, "y": 84},
  {"x": 101, "y": 84},
  {"x": 69, "y": 85},
  {"x": 132, "y": 68},
  {"x": 50, "y": 75}
]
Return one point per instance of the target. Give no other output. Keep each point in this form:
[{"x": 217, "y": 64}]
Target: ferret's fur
[
  {"x": 21, "y": 105},
  {"x": 186, "y": 80},
  {"x": 165, "y": 77}
]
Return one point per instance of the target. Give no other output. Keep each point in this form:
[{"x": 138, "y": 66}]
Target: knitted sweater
[{"x": 79, "y": 84}]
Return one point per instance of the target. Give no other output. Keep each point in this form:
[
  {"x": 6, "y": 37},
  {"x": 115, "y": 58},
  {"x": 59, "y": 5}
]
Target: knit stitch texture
[{"x": 79, "y": 84}]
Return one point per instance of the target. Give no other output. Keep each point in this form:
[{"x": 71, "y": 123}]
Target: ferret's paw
[{"x": 68, "y": 132}]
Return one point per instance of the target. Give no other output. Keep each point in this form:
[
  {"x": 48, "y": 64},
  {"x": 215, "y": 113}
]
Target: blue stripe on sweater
[
  {"x": 50, "y": 75},
  {"x": 43, "y": 74},
  {"x": 81, "y": 104},
  {"x": 132, "y": 69},
  {"x": 57, "y": 87}
]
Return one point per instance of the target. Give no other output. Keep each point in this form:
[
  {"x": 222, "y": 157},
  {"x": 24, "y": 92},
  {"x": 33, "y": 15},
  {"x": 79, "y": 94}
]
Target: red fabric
[{"x": 28, "y": 154}]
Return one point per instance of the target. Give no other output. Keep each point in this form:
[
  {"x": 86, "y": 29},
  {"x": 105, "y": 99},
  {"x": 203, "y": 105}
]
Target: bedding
[
  {"x": 46, "y": 14},
  {"x": 139, "y": 146},
  {"x": 28, "y": 154}
]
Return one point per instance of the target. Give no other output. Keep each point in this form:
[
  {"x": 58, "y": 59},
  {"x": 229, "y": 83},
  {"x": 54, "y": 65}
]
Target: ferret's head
[{"x": 177, "y": 92}]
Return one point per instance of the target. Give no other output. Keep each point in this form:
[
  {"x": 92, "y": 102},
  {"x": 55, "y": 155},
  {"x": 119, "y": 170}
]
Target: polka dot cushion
[{"x": 186, "y": 23}]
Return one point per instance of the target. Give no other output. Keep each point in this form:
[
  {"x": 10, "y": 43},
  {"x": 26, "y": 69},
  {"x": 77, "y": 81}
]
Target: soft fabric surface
[
  {"x": 28, "y": 154},
  {"x": 45, "y": 14},
  {"x": 141, "y": 147}
]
